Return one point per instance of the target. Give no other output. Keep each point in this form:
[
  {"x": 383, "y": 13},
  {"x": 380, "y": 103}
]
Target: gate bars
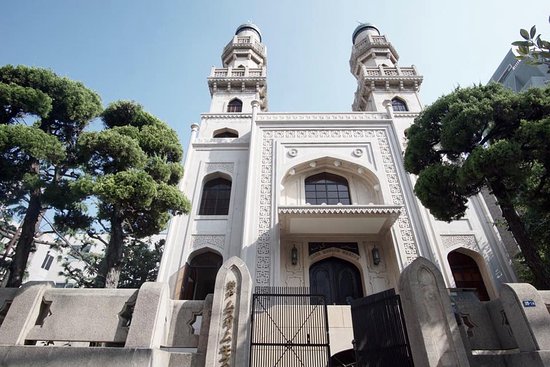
[
  {"x": 288, "y": 329},
  {"x": 380, "y": 332}
]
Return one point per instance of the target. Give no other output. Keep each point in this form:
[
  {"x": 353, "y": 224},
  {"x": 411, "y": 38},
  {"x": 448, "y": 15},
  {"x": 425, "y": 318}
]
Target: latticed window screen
[
  {"x": 235, "y": 105},
  {"x": 215, "y": 197},
  {"x": 399, "y": 105},
  {"x": 327, "y": 188}
]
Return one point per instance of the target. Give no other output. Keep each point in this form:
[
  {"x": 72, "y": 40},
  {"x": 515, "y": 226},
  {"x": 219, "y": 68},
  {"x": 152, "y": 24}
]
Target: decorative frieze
[
  {"x": 201, "y": 240},
  {"x": 464, "y": 240},
  {"x": 233, "y": 116},
  {"x": 341, "y": 209},
  {"x": 212, "y": 167},
  {"x": 273, "y": 116}
]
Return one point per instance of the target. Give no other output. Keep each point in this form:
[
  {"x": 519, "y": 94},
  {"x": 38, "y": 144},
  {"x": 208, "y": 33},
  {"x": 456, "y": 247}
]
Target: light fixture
[
  {"x": 375, "y": 255},
  {"x": 294, "y": 255}
]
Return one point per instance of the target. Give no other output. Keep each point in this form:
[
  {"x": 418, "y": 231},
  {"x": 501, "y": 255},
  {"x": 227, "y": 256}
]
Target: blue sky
[{"x": 159, "y": 52}]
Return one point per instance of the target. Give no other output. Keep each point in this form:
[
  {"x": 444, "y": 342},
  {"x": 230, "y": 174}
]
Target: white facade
[{"x": 267, "y": 157}]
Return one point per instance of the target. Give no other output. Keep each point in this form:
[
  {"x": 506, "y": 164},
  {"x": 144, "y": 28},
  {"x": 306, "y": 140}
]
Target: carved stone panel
[
  {"x": 212, "y": 167},
  {"x": 265, "y": 220}
]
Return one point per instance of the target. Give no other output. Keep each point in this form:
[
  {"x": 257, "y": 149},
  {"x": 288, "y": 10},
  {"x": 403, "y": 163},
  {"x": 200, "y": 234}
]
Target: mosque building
[{"x": 318, "y": 200}]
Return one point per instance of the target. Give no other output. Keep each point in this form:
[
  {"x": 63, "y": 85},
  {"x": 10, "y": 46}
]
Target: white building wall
[{"x": 275, "y": 152}]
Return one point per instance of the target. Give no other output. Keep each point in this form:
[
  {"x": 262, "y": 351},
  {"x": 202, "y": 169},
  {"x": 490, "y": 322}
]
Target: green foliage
[
  {"x": 132, "y": 169},
  {"x": 141, "y": 259},
  {"x": 141, "y": 263},
  {"x": 533, "y": 48},
  {"x": 41, "y": 118},
  {"x": 487, "y": 136}
]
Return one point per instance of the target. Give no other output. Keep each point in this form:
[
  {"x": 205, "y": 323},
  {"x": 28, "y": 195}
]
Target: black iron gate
[
  {"x": 289, "y": 328},
  {"x": 380, "y": 332}
]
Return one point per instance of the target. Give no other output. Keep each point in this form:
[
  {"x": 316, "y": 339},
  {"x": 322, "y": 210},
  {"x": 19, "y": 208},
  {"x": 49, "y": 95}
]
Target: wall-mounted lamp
[
  {"x": 376, "y": 255},
  {"x": 294, "y": 255}
]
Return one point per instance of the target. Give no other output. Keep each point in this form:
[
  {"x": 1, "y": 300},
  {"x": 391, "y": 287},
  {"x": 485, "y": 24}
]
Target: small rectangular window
[{"x": 47, "y": 263}]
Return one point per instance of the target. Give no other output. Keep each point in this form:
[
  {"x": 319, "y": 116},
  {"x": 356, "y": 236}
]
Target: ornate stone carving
[
  {"x": 265, "y": 225},
  {"x": 403, "y": 222},
  {"x": 226, "y": 116},
  {"x": 293, "y": 152},
  {"x": 322, "y": 116},
  {"x": 219, "y": 166},
  {"x": 340, "y": 209},
  {"x": 201, "y": 240},
  {"x": 465, "y": 240},
  {"x": 220, "y": 141},
  {"x": 358, "y": 152},
  {"x": 406, "y": 114}
]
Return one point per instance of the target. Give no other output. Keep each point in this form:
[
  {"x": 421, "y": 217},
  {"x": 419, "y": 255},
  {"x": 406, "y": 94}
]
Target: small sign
[{"x": 528, "y": 303}]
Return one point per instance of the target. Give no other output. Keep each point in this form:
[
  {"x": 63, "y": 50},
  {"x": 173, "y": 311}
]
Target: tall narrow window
[
  {"x": 47, "y": 263},
  {"x": 326, "y": 188},
  {"x": 235, "y": 105},
  {"x": 399, "y": 105},
  {"x": 215, "y": 197}
]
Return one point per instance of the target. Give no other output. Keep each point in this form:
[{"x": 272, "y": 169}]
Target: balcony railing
[
  {"x": 237, "y": 72},
  {"x": 244, "y": 42},
  {"x": 385, "y": 71}
]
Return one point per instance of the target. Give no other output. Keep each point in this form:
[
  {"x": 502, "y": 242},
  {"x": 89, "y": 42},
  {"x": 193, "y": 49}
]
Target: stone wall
[
  {"x": 45, "y": 326},
  {"x": 512, "y": 331}
]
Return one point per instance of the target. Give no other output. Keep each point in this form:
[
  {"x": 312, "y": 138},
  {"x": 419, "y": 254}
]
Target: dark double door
[{"x": 338, "y": 280}]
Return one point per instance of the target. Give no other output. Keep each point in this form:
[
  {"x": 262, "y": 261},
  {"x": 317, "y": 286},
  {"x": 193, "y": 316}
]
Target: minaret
[
  {"x": 243, "y": 76},
  {"x": 379, "y": 79}
]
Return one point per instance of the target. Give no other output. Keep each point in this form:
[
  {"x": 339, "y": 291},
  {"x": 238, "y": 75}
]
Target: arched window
[
  {"x": 215, "y": 197},
  {"x": 399, "y": 105},
  {"x": 226, "y": 133},
  {"x": 466, "y": 274},
  {"x": 235, "y": 105},
  {"x": 199, "y": 276},
  {"x": 326, "y": 188}
]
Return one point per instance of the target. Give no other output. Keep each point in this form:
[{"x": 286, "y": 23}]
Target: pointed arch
[
  {"x": 338, "y": 280},
  {"x": 216, "y": 196},
  {"x": 399, "y": 105},
  {"x": 467, "y": 273},
  {"x": 199, "y": 276},
  {"x": 225, "y": 133},
  {"x": 235, "y": 105}
]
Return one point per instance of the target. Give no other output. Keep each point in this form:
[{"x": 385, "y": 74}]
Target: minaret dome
[
  {"x": 362, "y": 30},
  {"x": 249, "y": 29}
]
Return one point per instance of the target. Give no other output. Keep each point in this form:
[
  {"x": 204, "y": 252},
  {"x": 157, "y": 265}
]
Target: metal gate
[
  {"x": 380, "y": 332},
  {"x": 288, "y": 328}
]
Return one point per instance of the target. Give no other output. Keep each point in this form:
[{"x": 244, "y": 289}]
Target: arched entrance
[
  {"x": 199, "y": 276},
  {"x": 337, "y": 279},
  {"x": 466, "y": 274}
]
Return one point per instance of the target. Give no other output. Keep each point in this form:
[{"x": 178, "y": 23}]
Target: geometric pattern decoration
[
  {"x": 465, "y": 240},
  {"x": 409, "y": 251}
]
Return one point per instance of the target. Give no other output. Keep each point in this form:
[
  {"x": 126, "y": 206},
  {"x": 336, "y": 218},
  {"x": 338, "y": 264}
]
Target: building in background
[{"x": 518, "y": 75}]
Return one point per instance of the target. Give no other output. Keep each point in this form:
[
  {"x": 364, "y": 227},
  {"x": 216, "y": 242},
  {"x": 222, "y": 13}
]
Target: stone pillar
[
  {"x": 23, "y": 313},
  {"x": 151, "y": 317},
  {"x": 527, "y": 315},
  {"x": 433, "y": 333},
  {"x": 229, "y": 335}
]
